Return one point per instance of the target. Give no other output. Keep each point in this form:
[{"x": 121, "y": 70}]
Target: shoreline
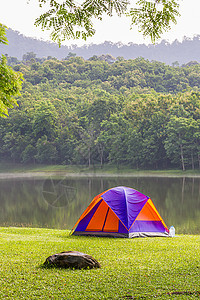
[
  {"x": 40, "y": 174},
  {"x": 8, "y": 171}
]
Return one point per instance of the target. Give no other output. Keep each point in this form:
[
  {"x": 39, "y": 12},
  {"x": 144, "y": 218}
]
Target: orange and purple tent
[{"x": 121, "y": 212}]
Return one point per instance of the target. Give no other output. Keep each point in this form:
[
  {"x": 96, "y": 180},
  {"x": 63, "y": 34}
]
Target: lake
[{"x": 58, "y": 201}]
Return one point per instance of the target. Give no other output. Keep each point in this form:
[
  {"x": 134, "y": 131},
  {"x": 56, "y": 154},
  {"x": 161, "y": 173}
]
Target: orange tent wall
[
  {"x": 103, "y": 219},
  {"x": 149, "y": 213}
]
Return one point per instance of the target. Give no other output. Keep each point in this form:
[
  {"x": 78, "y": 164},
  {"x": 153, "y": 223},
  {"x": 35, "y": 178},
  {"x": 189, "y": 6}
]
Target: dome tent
[{"x": 121, "y": 212}]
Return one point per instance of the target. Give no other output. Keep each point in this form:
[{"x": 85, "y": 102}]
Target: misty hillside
[{"x": 181, "y": 52}]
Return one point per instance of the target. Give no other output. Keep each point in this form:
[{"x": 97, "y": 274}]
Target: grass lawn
[{"x": 161, "y": 268}]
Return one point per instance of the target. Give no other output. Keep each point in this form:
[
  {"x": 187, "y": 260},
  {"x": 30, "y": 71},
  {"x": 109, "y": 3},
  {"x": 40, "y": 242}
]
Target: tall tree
[
  {"x": 181, "y": 143},
  {"x": 10, "y": 81}
]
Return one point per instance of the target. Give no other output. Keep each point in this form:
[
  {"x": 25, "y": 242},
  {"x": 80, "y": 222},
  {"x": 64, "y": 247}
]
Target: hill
[
  {"x": 182, "y": 52},
  {"x": 133, "y": 113}
]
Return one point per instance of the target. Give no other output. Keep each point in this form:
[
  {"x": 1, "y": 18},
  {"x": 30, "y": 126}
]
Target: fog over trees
[{"x": 169, "y": 53}]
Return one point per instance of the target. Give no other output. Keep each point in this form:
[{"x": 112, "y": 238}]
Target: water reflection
[{"x": 58, "y": 202}]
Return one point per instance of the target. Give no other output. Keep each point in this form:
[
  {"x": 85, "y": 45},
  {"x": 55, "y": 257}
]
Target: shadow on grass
[{"x": 54, "y": 267}]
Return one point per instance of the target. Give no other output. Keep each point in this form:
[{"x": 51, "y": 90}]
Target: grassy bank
[
  {"x": 161, "y": 268},
  {"x": 107, "y": 170}
]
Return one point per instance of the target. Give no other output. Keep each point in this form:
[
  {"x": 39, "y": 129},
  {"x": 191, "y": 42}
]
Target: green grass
[
  {"x": 107, "y": 170},
  {"x": 161, "y": 268}
]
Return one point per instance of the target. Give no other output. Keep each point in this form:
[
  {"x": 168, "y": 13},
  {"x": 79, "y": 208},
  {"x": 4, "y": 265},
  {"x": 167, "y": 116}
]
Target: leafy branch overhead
[
  {"x": 73, "y": 19},
  {"x": 155, "y": 17},
  {"x": 10, "y": 81}
]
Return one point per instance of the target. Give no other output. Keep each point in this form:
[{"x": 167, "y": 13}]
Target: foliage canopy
[
  {"x": 71, "y": 19},
  {"x": 134, "y": 112},
  {"x": 10, "y": 81}
]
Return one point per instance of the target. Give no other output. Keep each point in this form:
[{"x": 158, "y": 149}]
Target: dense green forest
[{"x": 125, "y": 112}]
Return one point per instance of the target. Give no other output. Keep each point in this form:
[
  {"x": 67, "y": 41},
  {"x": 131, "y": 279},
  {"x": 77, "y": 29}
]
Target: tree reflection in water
[{"x": 59, "y": 201}]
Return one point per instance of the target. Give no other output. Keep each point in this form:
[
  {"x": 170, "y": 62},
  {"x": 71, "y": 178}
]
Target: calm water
[{"x": 58, "y": 202}]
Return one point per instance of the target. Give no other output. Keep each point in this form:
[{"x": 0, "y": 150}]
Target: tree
[
  {"x": 181, "y": 143},
  {"x": 28, "y": 56},
  {"x": 45, "y": 120},
  {"x": 70, "y": 19},
  {"x": 10, "y": 81},
  {"x": 46, "y": 151}
]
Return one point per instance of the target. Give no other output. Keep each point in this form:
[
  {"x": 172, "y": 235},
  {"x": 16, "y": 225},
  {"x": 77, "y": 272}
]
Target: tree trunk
[
  {"x": 192, "y": 161},
  {"x": 182, "y": 158},
  {"x": 89, "y": 158},
  {"x": 100, "y": 149},
  {"x": 101, "y": 158}
]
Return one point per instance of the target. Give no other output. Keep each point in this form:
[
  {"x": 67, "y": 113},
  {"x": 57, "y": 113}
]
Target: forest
[{"x": 139, "y": 113}]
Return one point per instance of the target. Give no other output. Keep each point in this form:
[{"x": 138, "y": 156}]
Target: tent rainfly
[{"x": 121, "y": 212}]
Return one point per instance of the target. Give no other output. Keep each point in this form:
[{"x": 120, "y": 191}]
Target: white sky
[{"x": 20, "y": 15}]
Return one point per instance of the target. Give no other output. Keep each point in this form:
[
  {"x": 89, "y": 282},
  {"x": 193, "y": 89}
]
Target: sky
[{"x": 20, "y": 15}]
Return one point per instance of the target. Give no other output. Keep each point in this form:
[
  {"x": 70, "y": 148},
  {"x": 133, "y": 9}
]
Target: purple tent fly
[{"x": 121, "y": 212}]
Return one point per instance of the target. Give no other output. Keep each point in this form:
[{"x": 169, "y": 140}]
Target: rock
[{"x": 73, "y": 260}]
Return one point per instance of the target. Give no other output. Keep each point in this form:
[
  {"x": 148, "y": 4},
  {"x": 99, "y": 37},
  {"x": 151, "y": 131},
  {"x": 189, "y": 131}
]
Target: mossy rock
[{"x": 72, "y": 260}]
